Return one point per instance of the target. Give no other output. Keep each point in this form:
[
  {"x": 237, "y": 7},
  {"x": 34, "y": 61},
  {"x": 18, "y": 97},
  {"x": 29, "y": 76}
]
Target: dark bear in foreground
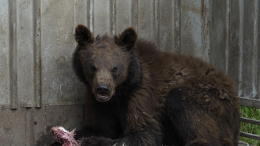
[{"x": 138, "y": 95}]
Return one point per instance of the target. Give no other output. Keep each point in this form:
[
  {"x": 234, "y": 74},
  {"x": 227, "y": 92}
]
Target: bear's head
[{"x": 106, "y": 63}]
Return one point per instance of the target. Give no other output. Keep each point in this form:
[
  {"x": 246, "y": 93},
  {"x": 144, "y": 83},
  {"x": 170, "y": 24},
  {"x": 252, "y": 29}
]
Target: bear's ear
[
  {"x": 127, "y": 38},
  {"x": 83, "y": 34}
]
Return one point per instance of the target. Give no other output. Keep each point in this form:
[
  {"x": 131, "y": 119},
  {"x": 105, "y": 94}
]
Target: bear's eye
[
  {"x": 93, "y": 68},
  {"x": 114, "y": 69}
]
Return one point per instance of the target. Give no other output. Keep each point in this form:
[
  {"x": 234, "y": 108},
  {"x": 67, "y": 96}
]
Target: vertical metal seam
[
  {"x": 73, "y": 32},
  {"x": 210, "y": 30},
  {"x": 180, "y": 33},
  {"x": 37, "y": 52},
  {"x": 74, "y": 12},
  {"x": 241, "y": 43},
  {"x": 209, "y": 27},
  {"x": 13, "y": 53},
  {"x": 227, "y": 50},
  {"x": 174, "y": 48},
  {"x": 205, "y": 5},
  {"x": 156, "y": 18},
  {"x": 255, "y": 53},
  {"x": 88, "y": 13},
  {"x": 177, "y": 25},
  {"x": 112, "y": 9},
  {"x": 91, "y": 16},
  {"x": 134, "y": 14}
]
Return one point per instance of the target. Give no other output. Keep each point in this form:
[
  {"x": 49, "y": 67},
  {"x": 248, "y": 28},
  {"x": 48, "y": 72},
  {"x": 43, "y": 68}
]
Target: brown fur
[
  {"x": 208, "y": 88},
  {"x": 209, "y": 101}
]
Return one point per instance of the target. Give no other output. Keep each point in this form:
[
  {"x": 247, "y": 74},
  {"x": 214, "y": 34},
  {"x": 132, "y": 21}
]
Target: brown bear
[{"x": 138, "y": 95}]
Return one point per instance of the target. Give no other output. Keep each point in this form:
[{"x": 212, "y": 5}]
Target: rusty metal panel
[
  {"x": 80, "y": 12},
  {"x": 101, "y": 15},
  {"x": 146, "y": 19},
  {"x": 81, "y": 16},
  {"x": 122, "y": 15},
  {"x": 219, "y": 49},
  {"x": 34, "y": 124},
  {"x": 258, "y": 54},
  {"x": 37, "y": 42},
  {"x": 13, "y": 53},
  {"x": 70, "y": 117},
  {"x": 31, "y": 126},
  {"x": 12, "y": 127},
  {"x": 195, "y": 16},
  {"x": 4, "y": 55},
  {"x": 165, "y": 40},
  {"x": 134, "y": 14},
  {"x": 25, "y": 53},
  {"x": 250, "y": 46},
  {"x": 236, "y": 44},
  {"x": 168, "y": 24},
  {"x": 58, "y": 86}
]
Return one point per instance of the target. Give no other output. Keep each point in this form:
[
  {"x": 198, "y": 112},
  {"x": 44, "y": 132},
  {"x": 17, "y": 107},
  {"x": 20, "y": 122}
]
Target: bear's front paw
[{"x": 97, "y": 141}]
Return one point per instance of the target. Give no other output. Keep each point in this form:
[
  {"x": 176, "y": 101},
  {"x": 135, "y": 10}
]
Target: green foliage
[{"x": 252, "y": 113}]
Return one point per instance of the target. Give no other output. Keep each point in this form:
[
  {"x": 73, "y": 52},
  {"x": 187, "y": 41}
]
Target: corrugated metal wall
[{"x": 38, "y": 88}]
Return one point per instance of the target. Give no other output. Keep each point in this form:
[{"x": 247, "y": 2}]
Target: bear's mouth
[
  {"x": 102, "y": 97},
  {"x": 102, "y": 92}
]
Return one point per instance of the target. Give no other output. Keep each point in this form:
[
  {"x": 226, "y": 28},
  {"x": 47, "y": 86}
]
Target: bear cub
[{"x": 140, "y": 96}]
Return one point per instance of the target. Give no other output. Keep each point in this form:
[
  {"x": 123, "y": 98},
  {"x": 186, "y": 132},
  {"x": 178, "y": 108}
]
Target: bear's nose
[{"x": 102, "y": 89}]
